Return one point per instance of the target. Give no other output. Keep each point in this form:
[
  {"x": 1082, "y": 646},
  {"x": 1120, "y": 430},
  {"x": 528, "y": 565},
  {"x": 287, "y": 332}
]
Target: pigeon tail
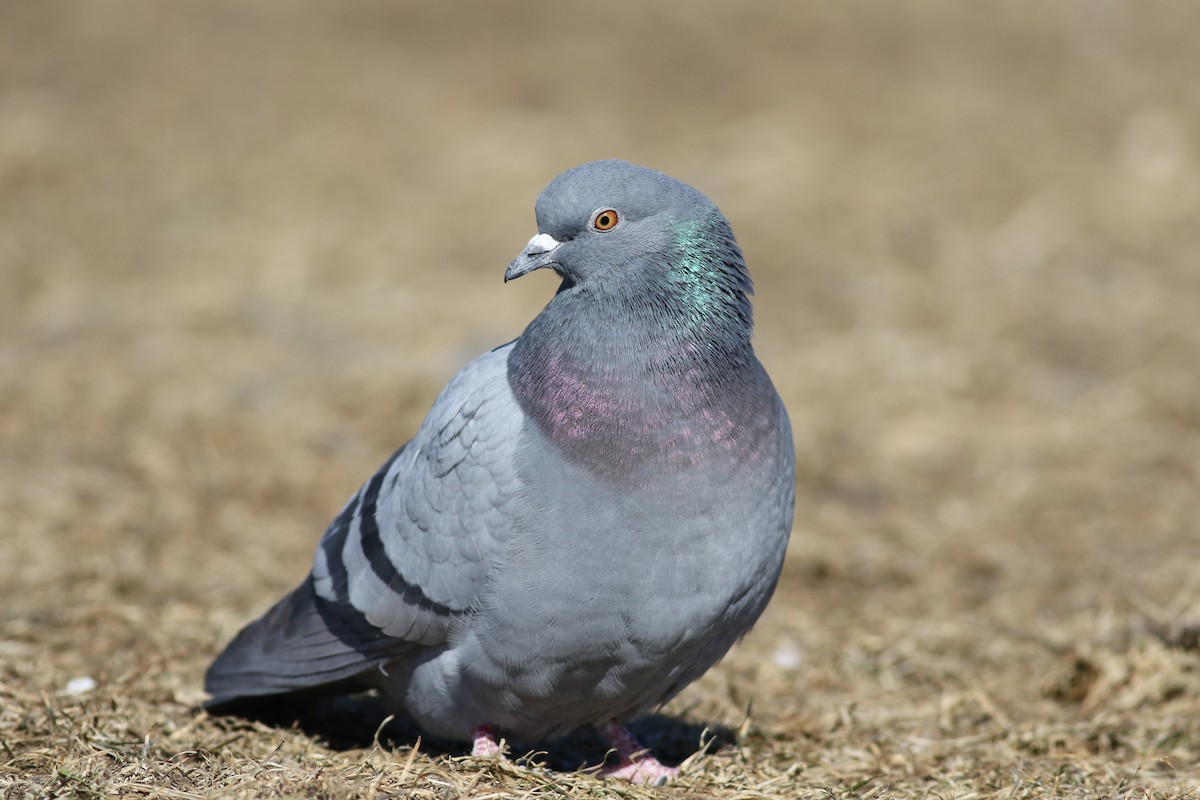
[{"x": 302, "y": 643}]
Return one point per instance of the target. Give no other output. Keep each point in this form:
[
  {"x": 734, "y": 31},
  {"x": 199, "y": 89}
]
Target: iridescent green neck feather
[{"x": 708, "y": 278}]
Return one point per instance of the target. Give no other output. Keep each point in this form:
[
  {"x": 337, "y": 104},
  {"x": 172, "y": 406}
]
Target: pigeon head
[
  {"x": 645, "y": 349},
  {"x": 624, "y": 232}
]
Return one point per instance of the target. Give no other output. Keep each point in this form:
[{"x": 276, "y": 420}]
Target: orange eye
[{"x": 605, "y": 220}]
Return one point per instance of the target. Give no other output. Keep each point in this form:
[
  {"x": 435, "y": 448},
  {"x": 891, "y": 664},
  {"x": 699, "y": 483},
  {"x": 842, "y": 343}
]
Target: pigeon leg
[
  {"x": 485, "y": 743},
  {"x": 634, "y": 763}
]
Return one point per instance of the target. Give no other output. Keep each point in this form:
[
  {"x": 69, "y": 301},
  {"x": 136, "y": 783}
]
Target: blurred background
[{"x": 243, "y": 245}]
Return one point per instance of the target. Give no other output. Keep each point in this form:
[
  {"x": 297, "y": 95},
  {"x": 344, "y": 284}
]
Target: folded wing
[{"x": 406, "y": 557}]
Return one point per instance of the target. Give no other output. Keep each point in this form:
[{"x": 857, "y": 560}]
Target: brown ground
[{"x": 242, "y": 245}]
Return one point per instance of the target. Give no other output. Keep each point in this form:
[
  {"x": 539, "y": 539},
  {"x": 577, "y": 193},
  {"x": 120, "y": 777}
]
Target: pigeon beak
[{"x": 537, "y": 254}]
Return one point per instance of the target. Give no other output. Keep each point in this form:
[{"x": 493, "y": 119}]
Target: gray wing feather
[{"x": 407, "y": 556}]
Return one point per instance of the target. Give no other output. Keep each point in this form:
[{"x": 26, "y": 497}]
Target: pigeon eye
[{"x": 605, "y": 220}]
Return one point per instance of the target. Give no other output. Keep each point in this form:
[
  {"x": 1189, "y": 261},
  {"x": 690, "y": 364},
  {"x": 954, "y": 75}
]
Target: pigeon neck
[
  {"x": 608, "y": 339},
  {"x": 622, "y": 379}
]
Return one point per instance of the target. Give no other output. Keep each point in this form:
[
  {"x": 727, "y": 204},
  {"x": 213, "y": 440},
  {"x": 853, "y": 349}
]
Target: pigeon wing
[{"x": 406, "y": 557}]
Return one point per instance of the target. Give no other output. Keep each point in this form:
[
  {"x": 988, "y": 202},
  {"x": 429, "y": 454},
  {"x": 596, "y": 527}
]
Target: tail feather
[{"x": 304, "y": 642}]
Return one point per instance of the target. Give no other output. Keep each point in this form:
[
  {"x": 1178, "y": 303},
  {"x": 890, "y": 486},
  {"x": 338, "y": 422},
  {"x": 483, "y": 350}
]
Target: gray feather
[
  {"x": 301, "y": 643},
  {"x": 403, "y": 560}
]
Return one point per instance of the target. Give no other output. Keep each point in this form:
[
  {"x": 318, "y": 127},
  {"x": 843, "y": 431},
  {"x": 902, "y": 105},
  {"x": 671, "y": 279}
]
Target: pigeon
[{"x": 589, "y": 517}]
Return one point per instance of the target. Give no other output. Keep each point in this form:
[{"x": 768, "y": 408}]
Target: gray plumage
[{"x": 588, "y": 518}]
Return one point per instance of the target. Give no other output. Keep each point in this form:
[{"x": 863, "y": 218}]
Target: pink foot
[
  {"x": 634, "y": 762},
  {"x": 485, "y": 743}
]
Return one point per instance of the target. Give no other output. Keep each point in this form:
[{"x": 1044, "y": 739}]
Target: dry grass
[{"x": 243, "y": 245}]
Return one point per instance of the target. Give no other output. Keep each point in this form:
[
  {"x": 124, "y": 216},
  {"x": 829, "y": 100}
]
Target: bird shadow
[{"x": 354, "y": 722}]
